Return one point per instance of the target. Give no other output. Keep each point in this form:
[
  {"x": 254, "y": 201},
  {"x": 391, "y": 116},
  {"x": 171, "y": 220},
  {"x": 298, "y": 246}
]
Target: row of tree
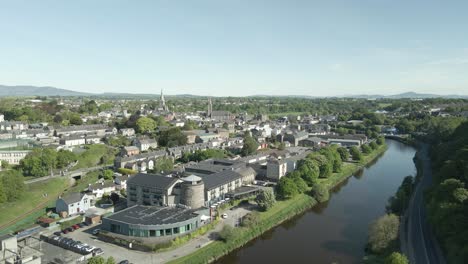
[{"x": 41, "y": 161}]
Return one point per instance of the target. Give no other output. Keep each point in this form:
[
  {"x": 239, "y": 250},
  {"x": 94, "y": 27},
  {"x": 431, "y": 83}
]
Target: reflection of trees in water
[
  {"x": 338, "y": 187},
  {"x": 319, "y": 208},
  {"x": 293, "y": 221},
  {"x": 358, "y": 175}
]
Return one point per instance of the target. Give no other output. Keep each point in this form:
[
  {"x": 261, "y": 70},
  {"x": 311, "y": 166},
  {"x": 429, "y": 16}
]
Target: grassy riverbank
[{"x": 280, "y": 212}]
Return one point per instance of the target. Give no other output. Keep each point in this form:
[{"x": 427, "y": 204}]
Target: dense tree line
[
  {"x": 447, "y": 200},
  {"x": 200, "y": 155}
]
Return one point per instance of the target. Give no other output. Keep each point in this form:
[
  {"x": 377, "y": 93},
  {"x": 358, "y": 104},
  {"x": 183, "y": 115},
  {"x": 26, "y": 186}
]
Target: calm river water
[{"x": 335, "y": 231}]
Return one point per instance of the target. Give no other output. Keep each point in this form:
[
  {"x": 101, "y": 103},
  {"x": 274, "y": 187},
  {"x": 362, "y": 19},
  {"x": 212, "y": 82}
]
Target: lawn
[
  {"x": 32, "y": 198},
  {"x": 93, "y": 155},
  {"x": 81, "y": 184}
]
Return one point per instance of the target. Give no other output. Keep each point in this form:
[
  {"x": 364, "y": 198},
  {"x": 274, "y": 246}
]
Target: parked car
[
  {"x": 224, "y": 216},
  {"x": 85, "y": 223},
  {"x": 98, "y": 251},
  {"x": 70, "y": 229},
  {"x": 81, "y": 225},
  {"x": 58, "y": 233},
  {"x": 96, "y": 231},
  {"x": 124, "y": 262},
  {"x": 65, "y": 231},
  {"x": 75, "y": 227}
]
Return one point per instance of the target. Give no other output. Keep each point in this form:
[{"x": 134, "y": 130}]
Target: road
[{"x": 418, "y": 241}]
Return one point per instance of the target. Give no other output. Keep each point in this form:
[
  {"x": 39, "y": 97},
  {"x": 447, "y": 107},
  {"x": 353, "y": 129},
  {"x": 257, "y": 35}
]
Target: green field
[
  {"x": 93, "y": 155},
  {"x": 32, "y": 198}
]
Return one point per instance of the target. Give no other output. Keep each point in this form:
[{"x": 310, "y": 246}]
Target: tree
[
  {"x": 286, "y": 188},
  {"x": 398, "y": 203},
  {"x": 308, "y": 170},
  {"x": 373, "y": 145},
  {"x": 228, "y": 233},
  {"x": 366, "y": 149},
  {"x": 64, "y": 158},
  {"x": 172, "y": 137},
  {"x": 107, "y": 174},
  {"x": 281, "y": 146},
  {"x": 126, "y": 171},
  {"x": 344, "y": 153},
  {"x": 76, "y": 120},
  {"x": 355, "y": 153},
  {"x": 383, "y": 233},
  {"x": 96, "y": 260},
  {"x": 164, "y": 164},
  {"x": 3, "y": 197},
  {"x": 110, "y": 260},
  {"x": 266, "y": 199},
  {"x": 320, "y": 193},
  {"x": 250, "y": 219},
  {"x": 5, "y": 164},
  {"x": 250, "y": 145},
  {"x": 380, "y": 140},
  {"x": 396, "y": 258},
  {"x": 13, "y": 185},
  {"x": 145, "y": 124}
]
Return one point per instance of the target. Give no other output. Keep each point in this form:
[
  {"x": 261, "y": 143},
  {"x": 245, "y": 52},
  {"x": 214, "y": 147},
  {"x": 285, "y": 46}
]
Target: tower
[
  {"x": 210, "y": 107},
  {"x": 162, "y": 102}
]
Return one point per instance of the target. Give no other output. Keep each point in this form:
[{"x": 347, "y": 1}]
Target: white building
[
  {"x": 14, "y": 156},
  {"x": 73, "y": 203}
]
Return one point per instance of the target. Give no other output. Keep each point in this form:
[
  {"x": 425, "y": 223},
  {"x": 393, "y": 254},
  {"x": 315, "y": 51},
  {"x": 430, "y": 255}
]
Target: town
[{"x": 86, "y": 178}]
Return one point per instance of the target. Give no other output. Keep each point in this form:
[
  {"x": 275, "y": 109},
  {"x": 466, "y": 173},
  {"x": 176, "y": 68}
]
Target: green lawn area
[
  {"x": 32, "y": 198},
  {"x": 92, "y": 156},
  {"x": 81, "y": 184}
]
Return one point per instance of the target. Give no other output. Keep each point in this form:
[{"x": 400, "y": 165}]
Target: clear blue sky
[{"x": 221, "y": 47}]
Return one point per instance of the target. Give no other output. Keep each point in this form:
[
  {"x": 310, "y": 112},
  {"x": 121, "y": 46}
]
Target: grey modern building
[{"x": 153, "y": 221}]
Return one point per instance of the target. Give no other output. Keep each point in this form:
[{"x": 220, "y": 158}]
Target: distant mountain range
[{"x": 27, "y": 90}]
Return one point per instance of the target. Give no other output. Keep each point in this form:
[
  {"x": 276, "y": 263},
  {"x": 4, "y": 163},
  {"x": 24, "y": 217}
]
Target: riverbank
[{"x": 279, "y": 213}]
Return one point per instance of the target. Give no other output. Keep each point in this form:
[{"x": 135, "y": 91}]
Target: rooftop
[
  {"x": 152, "y": 180},
  {"x": 153, "y": 215}
]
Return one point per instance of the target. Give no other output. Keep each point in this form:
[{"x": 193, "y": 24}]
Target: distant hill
[
  {"x": 26, "y": 90},
  {"x": 410, "y": 95}
]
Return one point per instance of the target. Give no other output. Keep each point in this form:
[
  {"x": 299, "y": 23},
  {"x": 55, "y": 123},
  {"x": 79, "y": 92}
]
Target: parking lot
[{"x": 85, "y": 235}]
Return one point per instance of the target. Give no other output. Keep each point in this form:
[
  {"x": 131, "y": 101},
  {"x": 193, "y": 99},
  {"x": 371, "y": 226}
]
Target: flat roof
[{"x": 153, "y": 215}]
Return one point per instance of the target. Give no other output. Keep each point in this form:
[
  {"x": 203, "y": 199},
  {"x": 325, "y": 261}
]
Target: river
[{"x": 335, "y": 231}]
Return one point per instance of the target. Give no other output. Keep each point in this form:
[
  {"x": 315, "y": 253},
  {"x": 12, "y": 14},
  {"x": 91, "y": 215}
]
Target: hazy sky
[{"x": 237, "y": 47}]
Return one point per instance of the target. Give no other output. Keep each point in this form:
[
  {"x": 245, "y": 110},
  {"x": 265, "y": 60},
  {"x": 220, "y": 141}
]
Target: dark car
[
  {"x": 124, "y": 262},
  {"x": 81, "y": 225},
  {"x": 85, "y": 223},
  {"x": 70, "y": 229},
  {"x": 58, "y": 233},
  {"x": 65, "y": 231}
]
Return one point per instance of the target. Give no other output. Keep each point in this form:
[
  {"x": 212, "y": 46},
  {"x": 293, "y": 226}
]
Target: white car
[{"x": 224, "y": 216}]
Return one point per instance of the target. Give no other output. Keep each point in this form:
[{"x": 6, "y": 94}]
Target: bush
[
  {"x": 396, "y": 258},
  {"x": 250, "y": 219},
  {"x": 320, "y": 193},
  {"x": 366, "y": 149},
  {"x": 383, "y": 233},
  {"x": 227, "y": 234},
  {"x": 355, "y": 153}
]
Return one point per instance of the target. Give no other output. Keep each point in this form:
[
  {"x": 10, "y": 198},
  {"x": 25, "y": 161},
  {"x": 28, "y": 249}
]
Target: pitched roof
[
  {"x": 152, "y": 180},
  {"x": 220, "y": 178},
  {"x": 72, "y": 197}
]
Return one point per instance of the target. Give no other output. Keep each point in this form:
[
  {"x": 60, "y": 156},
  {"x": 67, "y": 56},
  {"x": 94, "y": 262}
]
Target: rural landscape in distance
[{"x": 228, "y": 132}]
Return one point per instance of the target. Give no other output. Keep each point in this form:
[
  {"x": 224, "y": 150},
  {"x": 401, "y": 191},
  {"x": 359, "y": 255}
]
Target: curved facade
[
  {"x": 150, "y": 221},
  {"x": 192, "y": 194}
]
